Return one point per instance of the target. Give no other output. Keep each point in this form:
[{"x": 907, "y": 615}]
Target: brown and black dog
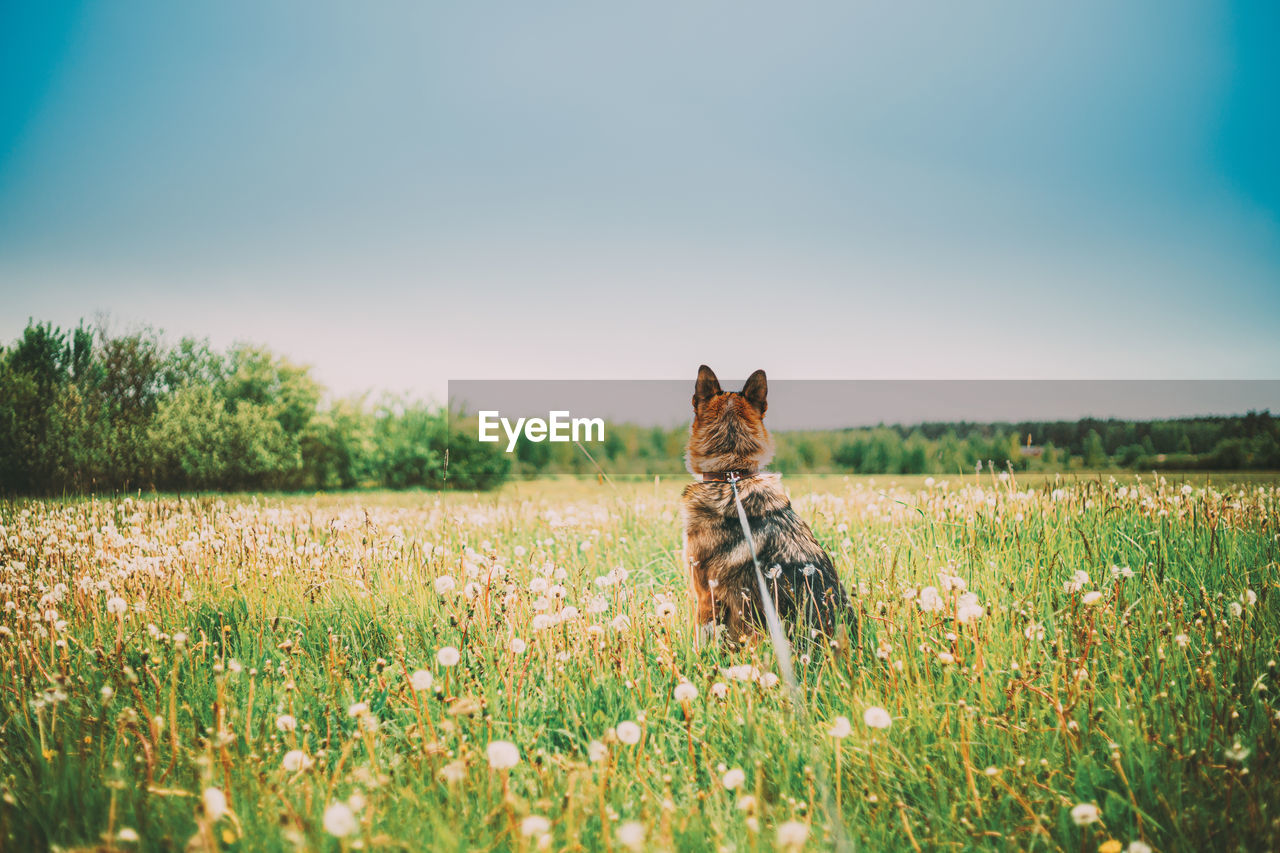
[{"x": 728, "y": 443}]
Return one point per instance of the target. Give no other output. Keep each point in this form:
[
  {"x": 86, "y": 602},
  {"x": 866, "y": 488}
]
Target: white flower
[
  {"x": 877, "y": 717},
  {"x": 215, "y": 803},
  {"x": 840, "y": 728},
  {"x": 339, "y": 820},
  {"x": 1091, "y": 598},
  {"x": 1250, "y": 598},
  {"x": 503, "y": 755},
  {"x": 295, "y": 760},
  {"x": 116, "y": 605},
  {"x": 517, "y": 646},
  {"x": 719, "y": 690},
  {"x": 597, "y": 751},
  {"x": 286, "y": 722},
  {"x": 968, "y": 609},
  {"x": 1085, "y": 814},
  {"x": 445, "y": 584},
  {"x": 685, "y": 692},
  {"x": 792, "y": 834},
  {"x": 628, "y": 732},
  {"x": 1138, "y": 847},
  {"x": 421, "y": 680},
  {"x": 1034, "y": 631},
  {"x": 929, "y": 599},
  {"x": 533, "y": 825},
  {"x": 1235, "y": 608},
  {"x": 734, "y": 778},
  {"x": 1182, "y": 640},
  {"x": 358, "y": 709},
  {"x": 768, "y": 679},
  {"x": 1079, "y": 580},
  {"x": 631, "y": 835},
  {"x": 128, "y": 834},
  {"x": 664, "y": 610},
  {"x": 946, "y": 657},
  {"x": 448, "y": 656}
]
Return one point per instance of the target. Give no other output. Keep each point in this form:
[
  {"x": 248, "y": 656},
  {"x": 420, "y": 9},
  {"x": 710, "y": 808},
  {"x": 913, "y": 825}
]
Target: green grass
[{"x": 1157, "y": 703}]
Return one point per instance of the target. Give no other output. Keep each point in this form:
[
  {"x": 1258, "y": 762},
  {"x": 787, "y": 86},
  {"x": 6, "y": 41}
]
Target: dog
[{"x": 729, "y": 446}]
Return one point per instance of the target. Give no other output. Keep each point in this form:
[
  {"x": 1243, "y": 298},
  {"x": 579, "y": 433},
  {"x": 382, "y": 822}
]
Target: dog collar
[{"x": 727, "y": 476}]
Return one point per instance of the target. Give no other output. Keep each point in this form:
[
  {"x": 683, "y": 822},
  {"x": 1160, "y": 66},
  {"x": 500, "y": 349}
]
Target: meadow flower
[
  {"x": 1079, "y": 580},
  {"x": 358, "y": 709},
  {"x": 768, "y": 680},
  {"x": 1085, "y": 814},
  {"x": 116, "y": 605},
  {"x": 968, "y": 609},
  {"x": 685, "y": 692},
  {"x": 286, "y": 722},
  {"x": 1237, "y": 753},
  {"x": 733, "y": 778},
  {"x": 128, "y": 835},
  {"x": 877, "y": 717},
  {"x": 517, "y": 646},
  {"x": 946, "y": 657},
  {"x": 1091, "y": 598},
  {"x": 1249, "y": 598},
  {"x": 1122, "y": 572},
  {"x": 534, "y": 825},
  {"x": 631, "y": 835},
  {"x": 597, "y": 752},
  {"x": 719, "y": 690},
  {"x": 215, "y": 803},
  {"x": 628, "y": 732},
  {"x": 664, "y": 610},
  {"x": 295, "y": 760},
  {"x": 746, "y": 803},
  {"x": 421, "y": 680},
  {"x": 840, "y": 728},
  {"x": 448, "y": 656},
  {"x": 1182, "y": 640},
  {"x": 1236, "y": 609},
  {"x": 930, "y": 600},
  {"x": 339, "y": 820},
  {"x": 503, "y": 755},
  {"x": 445, "y": 584},
  {"x": 453, "y": 772},
  {"x": 792, "y": 835},
  {"x": 1138, "y": 847}
]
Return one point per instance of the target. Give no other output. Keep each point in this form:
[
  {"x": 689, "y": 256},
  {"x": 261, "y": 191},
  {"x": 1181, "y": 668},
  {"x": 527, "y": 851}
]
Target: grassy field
[{"x": 1086, "y": 664}]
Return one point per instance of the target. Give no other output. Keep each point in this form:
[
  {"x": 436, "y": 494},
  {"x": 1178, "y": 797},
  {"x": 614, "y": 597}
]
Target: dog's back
[{"x": 728, "y": 441}]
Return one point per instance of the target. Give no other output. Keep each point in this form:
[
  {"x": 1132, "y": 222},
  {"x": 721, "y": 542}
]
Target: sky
[{"x": 403, "y": 194}]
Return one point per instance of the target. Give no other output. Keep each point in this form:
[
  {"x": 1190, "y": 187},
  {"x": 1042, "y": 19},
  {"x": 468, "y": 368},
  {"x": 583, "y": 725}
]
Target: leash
[{"x": 782, "y": 648}]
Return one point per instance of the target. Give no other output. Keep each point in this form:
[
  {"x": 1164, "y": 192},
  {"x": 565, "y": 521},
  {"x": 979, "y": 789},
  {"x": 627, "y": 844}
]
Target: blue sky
[{"x": 401, "y": 194}]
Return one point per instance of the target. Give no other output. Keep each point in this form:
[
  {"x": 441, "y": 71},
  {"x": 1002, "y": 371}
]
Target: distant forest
[{"x": 86, "y": 411}]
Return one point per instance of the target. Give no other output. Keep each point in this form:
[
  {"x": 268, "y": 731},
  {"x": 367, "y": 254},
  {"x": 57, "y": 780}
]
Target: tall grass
[{"x": 265, "y": 686}]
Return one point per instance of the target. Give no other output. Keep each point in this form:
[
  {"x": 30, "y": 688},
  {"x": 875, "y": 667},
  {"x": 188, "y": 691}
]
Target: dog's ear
[
  {"x": 756, "y": 389},
  {"x": 707, "y": 386}
]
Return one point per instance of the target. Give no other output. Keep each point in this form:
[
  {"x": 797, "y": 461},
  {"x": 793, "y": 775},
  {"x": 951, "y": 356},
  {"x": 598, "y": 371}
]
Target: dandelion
[
  {"x": 840, "y": 728},
  {"x": 1249, "y": 598},
  {"x": 296, "y": 760},
  {"x": 518, "y": 646},
  {"x": 877, "y": 717},
  {"x": 792, "y": 835},
  {"x": 421, "y": 680},
  {"x": 597, "y": 752},
  {"x": 1084, "y": 814},
  {"x": 1237, "y": 753},
  {"x": 664, "y": 610},
  {"x": 685, "y": 692},
  {"x": 719, "y": 690},
  {"x": 340, "y": 820},
  {"x": 453, "y": 772},
  {"x": 1182, "y": 640},
  {"x": 503, "y": 755},
  {"x": 215, "y": 803},
  {"x": 534, "y": 825},
  {"x": 1091, "y": 598},
  {"x": 1138, "y": 847},
  {"x": 116, "y": 605},
  {"x": 128, "y": 835},
  {"x": 358, "y": 709},
  {"x": 1079, "y": 580},
  {"x": 286, "y": 722},
  {"x": 946, "y": 658},
  {"x": 768, "y": 680},
  {"x": 929, "y": 599},
  {"x": 1110, "y": 846},
  {"x": 1034, "y": 631},
  {"x": 734, "y": 778},
  {"x": 445, "y": 584},
  {"x": 631, "y": 835},
  {"x": 1236, "y": 609},
  {"x": 448, "y": 656},
  {"x": 968, "y": 609},
  {"x": 628, "y": 732}
]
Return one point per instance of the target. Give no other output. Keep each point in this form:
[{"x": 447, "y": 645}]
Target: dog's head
[{"x": 728, "y": 431}]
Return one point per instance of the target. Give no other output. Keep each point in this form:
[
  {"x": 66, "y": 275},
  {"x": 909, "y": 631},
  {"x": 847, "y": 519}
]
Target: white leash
[{"x": 782, "y": 648}]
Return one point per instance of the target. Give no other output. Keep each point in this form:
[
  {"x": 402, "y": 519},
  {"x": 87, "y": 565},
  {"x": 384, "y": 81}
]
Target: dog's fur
[{"x": 728, "y": 434}]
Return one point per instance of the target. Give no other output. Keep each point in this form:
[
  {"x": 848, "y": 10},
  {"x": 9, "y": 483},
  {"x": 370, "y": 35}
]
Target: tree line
[
  {"x": 87, "y": 411},
  {"x": 83, "y": 410}
]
